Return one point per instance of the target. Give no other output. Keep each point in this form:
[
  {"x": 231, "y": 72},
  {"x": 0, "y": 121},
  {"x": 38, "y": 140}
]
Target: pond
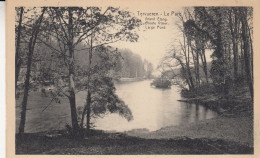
[{"x": 152, "y": 109}]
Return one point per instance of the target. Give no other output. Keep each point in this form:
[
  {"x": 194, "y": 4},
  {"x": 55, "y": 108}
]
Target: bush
[
  {"x": 161, "y": 83},
  {"x": 205, "y": 88}
]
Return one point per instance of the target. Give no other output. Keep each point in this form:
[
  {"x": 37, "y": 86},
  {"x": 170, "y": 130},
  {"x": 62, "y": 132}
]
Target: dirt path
[{"x": 237, "y": 129}]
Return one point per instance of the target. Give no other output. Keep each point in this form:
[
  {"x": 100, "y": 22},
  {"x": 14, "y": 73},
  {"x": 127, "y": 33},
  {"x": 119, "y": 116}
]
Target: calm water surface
[{"x": 151, "y": 107}]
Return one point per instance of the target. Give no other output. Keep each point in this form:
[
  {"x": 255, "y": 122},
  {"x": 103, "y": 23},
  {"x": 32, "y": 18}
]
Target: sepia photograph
[{"x": 124, "y": 80}]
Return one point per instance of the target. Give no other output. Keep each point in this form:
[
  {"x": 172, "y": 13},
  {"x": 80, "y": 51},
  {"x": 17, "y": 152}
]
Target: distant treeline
[
  {"x": 126, "y": 63},
  {"x": 131, "y": 65}
]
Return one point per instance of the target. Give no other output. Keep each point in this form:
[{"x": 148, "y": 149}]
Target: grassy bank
[
  {"x": 234, "y": 129},
  {"x": 99, "y": 142}
]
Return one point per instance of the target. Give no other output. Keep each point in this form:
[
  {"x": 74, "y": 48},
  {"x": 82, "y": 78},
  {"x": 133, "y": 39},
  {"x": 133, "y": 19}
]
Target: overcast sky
[{"x": 154, "y": 44}]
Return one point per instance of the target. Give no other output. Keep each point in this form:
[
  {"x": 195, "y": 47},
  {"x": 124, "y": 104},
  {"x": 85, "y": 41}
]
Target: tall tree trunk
[
  {"x": 72, "y": 96},
  {"x": 31, "y": 46},
  {"x": 187, "y": 60},
  {"x": 18, "y": 61},
  {"x": 235, "y": 50},
  {"x": 198, "y": 67},
  {"x": 194, "y": 62},
  {"x": 234, "y": 32},
  {"x": 251, "y": 54},
  {"x": 242, "y": 63},
  {"x": 198, "y": 49},
  {"x": 220, "y": 46},
  {"x": 184, "y": 70},
  {"x": 88, "y": 109},
  {"x": 204, "y": 62},
  {"x": 83, "y": 116},
  {"x": 246, "y": 50},
  {"x": 189, "y": 72}
]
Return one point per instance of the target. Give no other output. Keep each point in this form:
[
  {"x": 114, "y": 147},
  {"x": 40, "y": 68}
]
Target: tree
[
  {"x": 34, "y": 33},
  {"x": 68, "y": 27},
  {"x": 219, "y": 29},
  {"x": 246, "y": 47},
  {"x": 149, "y": 70},
  {"x": 211, "y": 25},
  {"x": 18, "y": 60},
  {"x": 186, "y": 50},
  {"x": 101, "y": 97},
  {"x": 176, "y": 63},
  {"x": 234, "y": 24},
  {"x": 123, "y": 33}
]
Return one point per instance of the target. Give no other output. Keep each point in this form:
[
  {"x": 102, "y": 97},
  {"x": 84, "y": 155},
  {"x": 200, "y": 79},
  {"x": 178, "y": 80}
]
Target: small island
[{"x": 161, "y": 83}]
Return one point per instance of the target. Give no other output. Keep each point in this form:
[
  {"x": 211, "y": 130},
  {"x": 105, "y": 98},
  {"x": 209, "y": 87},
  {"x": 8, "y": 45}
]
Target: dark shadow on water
[{"x": 164, "y": 89}]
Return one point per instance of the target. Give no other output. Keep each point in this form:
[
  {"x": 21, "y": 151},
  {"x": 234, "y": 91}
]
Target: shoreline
[
  {"x": 219, "y": 135},
  {"x": 236, "y": 129},
  {"x": 99, "y": 142},
  {"x": 234, "y": 123},
  {"x": 224, "y": 106}
]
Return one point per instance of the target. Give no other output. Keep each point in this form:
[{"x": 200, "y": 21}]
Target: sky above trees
[{"x": 154, "y": 44}]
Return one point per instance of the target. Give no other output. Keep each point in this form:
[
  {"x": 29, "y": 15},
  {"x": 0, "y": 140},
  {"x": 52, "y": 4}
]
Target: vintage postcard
[{"x": 138, "y": 78}]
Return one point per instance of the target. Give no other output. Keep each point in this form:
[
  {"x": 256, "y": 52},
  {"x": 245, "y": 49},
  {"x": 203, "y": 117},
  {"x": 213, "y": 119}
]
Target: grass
[{"x": 101, "y": 143}]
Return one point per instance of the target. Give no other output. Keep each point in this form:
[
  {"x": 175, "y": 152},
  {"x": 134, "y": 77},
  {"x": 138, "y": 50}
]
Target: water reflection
[{"x": 153, "y": 108}]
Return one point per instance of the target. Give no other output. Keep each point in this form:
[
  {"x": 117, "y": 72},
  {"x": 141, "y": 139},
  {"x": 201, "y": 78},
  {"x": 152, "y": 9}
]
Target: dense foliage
[
  {"x": 226, "y": 33},
  {"x": 49, "y": 42}
]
